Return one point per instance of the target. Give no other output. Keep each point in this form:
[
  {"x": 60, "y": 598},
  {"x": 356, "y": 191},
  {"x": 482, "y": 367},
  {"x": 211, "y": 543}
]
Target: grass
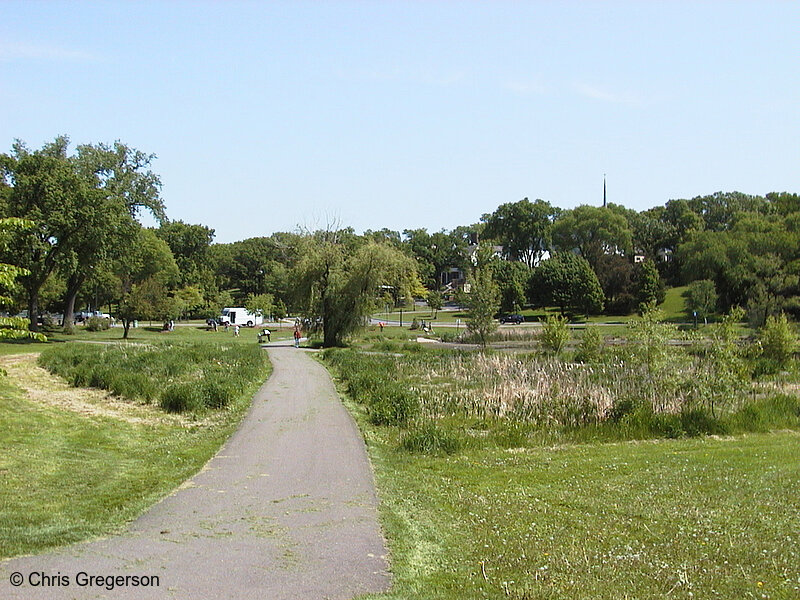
[
  {"x": 181, "y": 376},
  {"x": 78, "y": 464},
  {"x": 476, "y": 503},
  {"x": 700, "y": 518}
]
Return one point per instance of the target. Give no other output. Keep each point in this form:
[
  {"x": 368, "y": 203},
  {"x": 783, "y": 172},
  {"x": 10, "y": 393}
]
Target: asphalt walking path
[{"x": 286, "y": 510}]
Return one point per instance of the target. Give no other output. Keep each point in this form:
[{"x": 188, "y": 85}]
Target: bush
[
  {"x": 763, "y": 415},
  {"x": 97, "y": 324},
  {"x": 217, "y": 393},
  {"x": 591, "y": 345},
  {"x": 777, "y": 340},
  {"x": 555, "y": 334}
]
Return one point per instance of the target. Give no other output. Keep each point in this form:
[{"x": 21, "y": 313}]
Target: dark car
[{"x": 516, "y": 319}]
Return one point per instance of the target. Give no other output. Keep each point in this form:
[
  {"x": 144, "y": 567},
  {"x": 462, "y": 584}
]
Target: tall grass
[
  {"x": 508, "y": 399},
  {"x": 180, "y": 377}
]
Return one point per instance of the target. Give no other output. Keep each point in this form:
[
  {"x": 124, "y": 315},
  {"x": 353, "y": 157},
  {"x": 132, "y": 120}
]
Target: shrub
[
  {"x": 555, "y": 334},
  {"x": 181, "y": 377},
  {"x": 770, "y": 413},
  {"x": 591, "y": 345},
  {"x": 97, "y": 324},
  {"x": 777, "y": 340}
]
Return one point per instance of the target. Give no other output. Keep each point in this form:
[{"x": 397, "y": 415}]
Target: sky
[{"x": 274, "y": 116}]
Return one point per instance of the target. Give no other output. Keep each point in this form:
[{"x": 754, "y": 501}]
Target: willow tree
[{"x": 340, "y": 277}]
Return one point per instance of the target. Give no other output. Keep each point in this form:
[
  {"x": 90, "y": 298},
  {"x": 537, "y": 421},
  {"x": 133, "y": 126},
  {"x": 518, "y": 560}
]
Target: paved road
[{"x": 286, "y": 510}]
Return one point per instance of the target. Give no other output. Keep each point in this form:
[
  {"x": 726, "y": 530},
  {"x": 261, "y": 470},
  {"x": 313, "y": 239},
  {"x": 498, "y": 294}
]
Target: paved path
[{"x": 286, "y": 510}]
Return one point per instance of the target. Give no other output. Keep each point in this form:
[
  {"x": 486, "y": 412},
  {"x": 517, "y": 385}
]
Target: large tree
[
  {"x": 122, "y": 184},
  {"x": 567, "y": 281},
  {"x": 338, "y": 279},
  {"x": 45, "y": 188},
  {"x": 81, "y": 206},
  {"x": 523, "y": 229},
  {"x": 592, "y": 231},
  {"x": 144, "y": 275}
]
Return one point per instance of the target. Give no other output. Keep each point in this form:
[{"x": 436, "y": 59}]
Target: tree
[
  {"x": 718, "y": 210},
  {"x": 190, "y": 246},
  {"x": 523, "y": 228},
  {"x": 777, "y": 340},
  {"x": 555, "y": 334},
  {"x": 188, "y": 300},
  {"x": 651, "y": 289},
  {"x": 338, "y": 278},
  {"x": 511, "y": 279},
  {"x": 13, "y": 328},
  {"x": 435, "y": 301},
  {"x": 82, "y": 206},
  {"x": 483, "y": 301},
  {"x": 701, "y": 298},
  {"x": 436, "y": 252},
  {"x": 45, "y": 188},
  {"x": 121, "y": 185},
  {"x": 617, "y": 277},
  {"x": 592, "y": 231},
  {"x": 568, "y": 282},
  {"x": 263, "y": 304},
  {"x": 144, "y": 274}
]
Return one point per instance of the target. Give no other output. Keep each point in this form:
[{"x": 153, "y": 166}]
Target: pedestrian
[
  {"x": 296, "y": 338},
  {"x": 268, "y": 333},
  {"x": 380, "y": 323},
  {"x": 235, "y": 331}
]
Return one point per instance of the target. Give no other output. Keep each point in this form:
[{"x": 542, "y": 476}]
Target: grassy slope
[{"x": 66, "y": 476}]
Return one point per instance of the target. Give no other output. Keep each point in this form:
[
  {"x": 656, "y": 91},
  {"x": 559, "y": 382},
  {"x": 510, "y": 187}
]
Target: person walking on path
[{"x": 296, "y": 338}]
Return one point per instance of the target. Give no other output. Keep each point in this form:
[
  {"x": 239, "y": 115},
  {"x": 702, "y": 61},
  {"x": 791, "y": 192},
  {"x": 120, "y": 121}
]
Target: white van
[{"x": 240, "y": 316}]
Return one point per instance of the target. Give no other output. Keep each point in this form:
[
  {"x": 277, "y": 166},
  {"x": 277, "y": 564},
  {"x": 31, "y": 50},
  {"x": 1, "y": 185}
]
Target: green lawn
[
  {"x": 673, "y": 308},
  {"x": 195, "y": 331},
  {"x": 529, "y": 514},
  {"x": 697, "y": 518},
  {"x": 68, "y": 474}
]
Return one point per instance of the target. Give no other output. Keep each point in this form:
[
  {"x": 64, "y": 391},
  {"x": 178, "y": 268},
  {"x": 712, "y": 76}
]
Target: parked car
[{"x": 516, "y": 319}]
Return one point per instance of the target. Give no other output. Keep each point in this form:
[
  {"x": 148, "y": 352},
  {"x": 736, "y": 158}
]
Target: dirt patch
[{"x": 42, "y": 387}]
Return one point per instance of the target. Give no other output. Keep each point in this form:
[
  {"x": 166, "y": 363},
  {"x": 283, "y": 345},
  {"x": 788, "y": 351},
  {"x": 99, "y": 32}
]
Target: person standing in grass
[{"x": 235, "y": 331}]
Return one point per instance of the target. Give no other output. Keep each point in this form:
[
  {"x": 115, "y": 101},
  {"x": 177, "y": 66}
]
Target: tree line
[{"x": 78, "y": 242}]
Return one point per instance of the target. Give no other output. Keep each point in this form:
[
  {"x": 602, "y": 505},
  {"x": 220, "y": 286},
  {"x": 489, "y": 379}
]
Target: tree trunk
[
  {"x": 126, "y": 325},
  {"x": 33, "y": 310},
  {"x": 73, "y": 287}
]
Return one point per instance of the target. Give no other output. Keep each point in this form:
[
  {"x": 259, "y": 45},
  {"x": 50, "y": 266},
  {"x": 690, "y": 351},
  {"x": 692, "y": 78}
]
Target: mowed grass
[
  {"x": 74, "y": 469},
  {"x": 692, "y": 518}
]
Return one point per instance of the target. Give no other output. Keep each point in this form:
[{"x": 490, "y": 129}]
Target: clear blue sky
[{"x": 266, "y": 116}]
